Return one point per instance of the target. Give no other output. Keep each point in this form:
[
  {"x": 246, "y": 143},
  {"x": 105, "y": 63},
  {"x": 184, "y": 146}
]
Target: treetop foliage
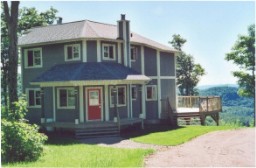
[{"x": 243, "y": 55}]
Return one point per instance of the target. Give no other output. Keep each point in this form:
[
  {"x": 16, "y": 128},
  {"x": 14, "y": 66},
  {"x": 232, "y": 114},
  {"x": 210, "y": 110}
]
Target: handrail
[{"x": 204, "y": 103}]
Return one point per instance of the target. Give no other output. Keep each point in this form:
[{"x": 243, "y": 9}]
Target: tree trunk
[{"x": 12, "y": 22}]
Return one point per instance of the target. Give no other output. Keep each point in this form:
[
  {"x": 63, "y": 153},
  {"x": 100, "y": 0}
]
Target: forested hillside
[{"x": 236, "y": 110}]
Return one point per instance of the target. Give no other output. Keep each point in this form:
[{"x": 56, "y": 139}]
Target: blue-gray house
[{"x": 87, "y": 72}]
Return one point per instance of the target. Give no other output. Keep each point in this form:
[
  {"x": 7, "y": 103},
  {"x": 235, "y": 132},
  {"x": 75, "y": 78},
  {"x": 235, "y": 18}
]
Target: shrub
[{"x": 20, "y": 141}]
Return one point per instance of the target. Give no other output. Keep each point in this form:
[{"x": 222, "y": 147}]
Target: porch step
[{"x": 96, "y": 132}]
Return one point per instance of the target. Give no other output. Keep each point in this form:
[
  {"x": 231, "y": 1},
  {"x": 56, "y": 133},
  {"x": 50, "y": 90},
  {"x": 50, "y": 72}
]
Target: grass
[
  {"x": 69, "y": 153},
  {"x": 177, "y": 136}
]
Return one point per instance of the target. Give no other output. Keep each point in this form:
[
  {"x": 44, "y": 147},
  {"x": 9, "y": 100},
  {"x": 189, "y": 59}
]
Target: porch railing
[{"x": 205, "y": 104}]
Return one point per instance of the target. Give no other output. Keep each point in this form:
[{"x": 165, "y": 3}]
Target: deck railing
[{"x": 205, "y": 104}]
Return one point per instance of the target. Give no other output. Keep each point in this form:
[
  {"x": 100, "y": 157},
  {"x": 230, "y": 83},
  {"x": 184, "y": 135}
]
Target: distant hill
[
  {"x": 236, "y": 110},
  {"x": 229, "y": 96},
  {"x": 203, "y": 87}
]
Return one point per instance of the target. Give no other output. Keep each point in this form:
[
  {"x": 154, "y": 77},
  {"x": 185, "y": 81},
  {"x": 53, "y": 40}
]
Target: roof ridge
[
  {"x": 51, "y": 25},
  {"x": 101, "y": 23},
  {"x": 92, "y": 29}
]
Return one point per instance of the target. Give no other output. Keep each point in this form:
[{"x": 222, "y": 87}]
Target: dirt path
[{"x": 235, "y": 148}]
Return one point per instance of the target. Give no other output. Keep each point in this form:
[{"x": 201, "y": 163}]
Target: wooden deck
[{"x": 195, "y": 107}]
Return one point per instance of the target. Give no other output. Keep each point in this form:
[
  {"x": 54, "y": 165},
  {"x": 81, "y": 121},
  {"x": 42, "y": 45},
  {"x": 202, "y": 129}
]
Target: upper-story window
[
  {"x": 109, "y": 52},
  {"x": 33, "y": 58},
  {"x": 72, "y": 52},
  {"x": 133, "y": 53}
]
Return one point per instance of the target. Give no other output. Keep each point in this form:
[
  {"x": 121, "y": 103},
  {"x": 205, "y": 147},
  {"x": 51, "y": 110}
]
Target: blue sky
[{"x": 211, "y": 28}]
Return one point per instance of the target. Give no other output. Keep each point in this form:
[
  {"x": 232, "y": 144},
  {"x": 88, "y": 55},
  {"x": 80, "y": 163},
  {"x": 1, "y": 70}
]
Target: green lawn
[
  {"x": 69, "y": 153},
  {"x": 177, "y": 136}
]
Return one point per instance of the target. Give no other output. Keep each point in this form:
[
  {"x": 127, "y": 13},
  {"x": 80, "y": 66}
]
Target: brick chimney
[{"x": 123, "y": 29}]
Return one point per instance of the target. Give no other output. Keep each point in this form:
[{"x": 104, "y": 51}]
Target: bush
[{"x": 20, "y": 141}]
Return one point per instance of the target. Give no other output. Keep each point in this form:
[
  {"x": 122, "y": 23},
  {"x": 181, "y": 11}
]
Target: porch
[
  {"x": 93, "y": 124},
  {"x": 191, "y": 107}
]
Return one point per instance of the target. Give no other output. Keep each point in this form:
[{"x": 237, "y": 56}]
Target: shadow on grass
[
  {"x": 63, "y": 138},
  {"x": 136, "y": 131},
  {"x": 67, "y": 138}
]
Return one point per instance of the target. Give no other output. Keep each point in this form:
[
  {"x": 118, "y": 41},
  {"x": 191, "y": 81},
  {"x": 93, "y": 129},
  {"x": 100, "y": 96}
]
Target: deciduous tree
[
  {"x": 243, "y": 55},
  {"x": 188, "y": 72}
]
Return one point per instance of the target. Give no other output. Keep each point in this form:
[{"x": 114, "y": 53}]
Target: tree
[
  {"x": 243, "y": 55},
  {"x": 11, "y": 18},
  {"x": 28, "y": 18},
  {"x": 188, "y": 72}
]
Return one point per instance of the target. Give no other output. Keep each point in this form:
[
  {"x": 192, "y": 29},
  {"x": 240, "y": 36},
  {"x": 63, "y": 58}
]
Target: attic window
[
  {"x": 108, "y": 52},
  {"x": 72, "y": 52},
  {"x": 33, "y": 58}
]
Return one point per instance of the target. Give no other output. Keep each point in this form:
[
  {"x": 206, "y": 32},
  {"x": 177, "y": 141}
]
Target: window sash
[
  {"x": 34, "y": 58},
  {"x": 108, "y": 52},
  {"x": 134, "y": 93},
  {"x": 133, "y": 53},
  {"x": 72, "y": 52},
  {"x": 34, "y": 98},
  {"x": 151, "y": 93},
  {"x": 66, "y": 98},
  {"x": 121, "y": 96}
]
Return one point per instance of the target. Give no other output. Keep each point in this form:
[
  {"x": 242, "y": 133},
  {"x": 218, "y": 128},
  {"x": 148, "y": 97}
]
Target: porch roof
[{"x": 88, "y": 72}]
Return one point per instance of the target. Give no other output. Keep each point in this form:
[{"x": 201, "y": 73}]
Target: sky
[{"x": 210, "y": 27}]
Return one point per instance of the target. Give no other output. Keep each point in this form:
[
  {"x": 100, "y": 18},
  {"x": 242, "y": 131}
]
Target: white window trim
[
  {"x": 125, "y": 96},
  {"x": 134, "y": 48},
  {"x": 66, "y": 52},
  {"x": 58, "y": 98},
  {"x": 26, "y": 58},
  {"x": 155, "y": 95},
  {"x": 114, "y": 52},
  {"x": 136, "y": 93},
  {"x": 27, "y": 94}
]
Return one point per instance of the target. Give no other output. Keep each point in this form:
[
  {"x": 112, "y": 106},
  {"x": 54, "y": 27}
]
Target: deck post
[{"x": 202, "y": 119}]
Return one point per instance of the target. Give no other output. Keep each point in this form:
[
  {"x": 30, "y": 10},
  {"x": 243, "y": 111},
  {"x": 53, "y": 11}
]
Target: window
[
  {"x": 34, "y": 97},
  {"x": 109, "y": 52},
  {"x": 133, "y": 53},
  {"x": 33, "y": 58},
  {"x": 151, "y": 92},
  {"x": 121, "y": 96},
  {"x": 66, "y": 98},
  {"x": 134, "y": 93},
  {"x": 72, "y": 52}
]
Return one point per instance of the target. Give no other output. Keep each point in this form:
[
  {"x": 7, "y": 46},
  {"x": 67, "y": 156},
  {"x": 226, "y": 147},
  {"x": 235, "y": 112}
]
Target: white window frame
[
  {"x": 27, "y": 93},
  {"x": 66, "y": 52},
  {"x": 114, "y": 52},
  {"x": 135, "y": 51},
  {"x": 136, "y": 93},
  {"x": 26, "y": 58},
  {"x": 58, "y": 98},
  {"x": 125, "y": 97},
  {"x": 154, "y": 94}
]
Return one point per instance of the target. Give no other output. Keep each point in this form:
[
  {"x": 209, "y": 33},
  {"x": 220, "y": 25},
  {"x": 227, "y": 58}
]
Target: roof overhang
[{"x": 131, "y": 79}]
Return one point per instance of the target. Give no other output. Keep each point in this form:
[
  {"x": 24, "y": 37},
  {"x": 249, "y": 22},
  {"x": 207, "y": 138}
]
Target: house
[{"x": 87, "y": 72}]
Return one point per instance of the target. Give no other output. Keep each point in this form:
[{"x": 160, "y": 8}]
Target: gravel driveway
[{"x": 235, "y": 148}]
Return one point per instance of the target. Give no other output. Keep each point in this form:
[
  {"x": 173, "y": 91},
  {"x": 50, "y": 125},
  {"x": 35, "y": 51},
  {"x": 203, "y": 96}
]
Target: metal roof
[{"x": 89, "y": 71}]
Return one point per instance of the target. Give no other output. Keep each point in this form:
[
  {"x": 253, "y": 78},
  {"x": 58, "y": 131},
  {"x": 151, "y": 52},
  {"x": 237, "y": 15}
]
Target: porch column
[
  {"x": 77, "y": 105},
  {"x": 42, "y": 106}
]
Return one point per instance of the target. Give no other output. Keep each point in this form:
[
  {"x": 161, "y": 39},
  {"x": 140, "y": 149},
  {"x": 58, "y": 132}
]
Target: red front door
[{"x": 94, "y": 104}]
